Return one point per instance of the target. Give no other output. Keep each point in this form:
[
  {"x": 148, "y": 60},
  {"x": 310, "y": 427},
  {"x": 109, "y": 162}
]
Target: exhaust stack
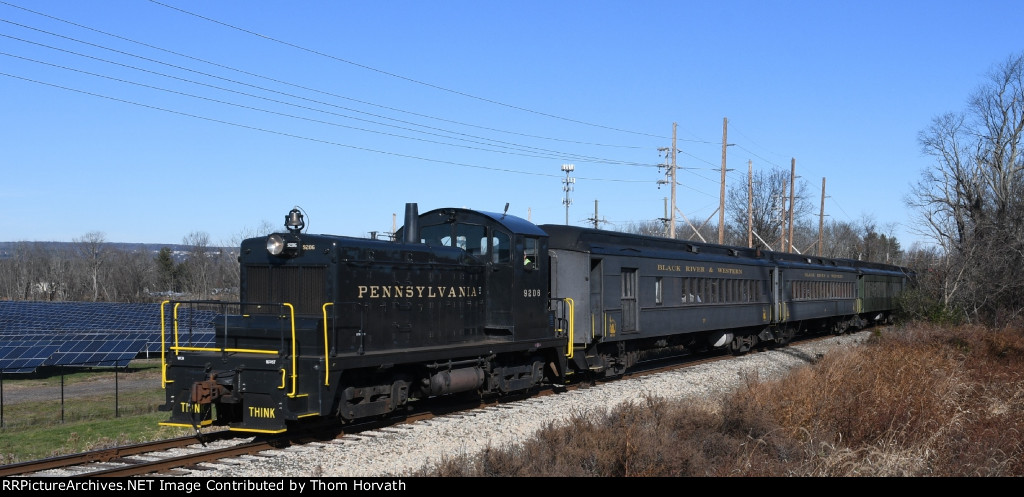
[{"x": 412, "y": 223}]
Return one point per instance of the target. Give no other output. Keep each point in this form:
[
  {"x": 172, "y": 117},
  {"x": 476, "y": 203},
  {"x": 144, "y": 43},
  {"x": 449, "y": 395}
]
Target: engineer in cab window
[{"x": 530, "y": 254}]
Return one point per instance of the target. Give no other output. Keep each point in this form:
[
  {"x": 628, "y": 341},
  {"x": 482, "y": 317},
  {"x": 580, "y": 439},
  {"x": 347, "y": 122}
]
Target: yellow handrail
[
  {"x": 178, "y": 348},
  {"x": 176, "y": 304},
  {"x": 572, "y": 326},
  {"x": 208, "y": 349},
  {"x": 327, "y": 350},
  {"x": 571, "y": 310},
  {"x": 295, "y": 358},
  {"x": 163, "y": 348}
]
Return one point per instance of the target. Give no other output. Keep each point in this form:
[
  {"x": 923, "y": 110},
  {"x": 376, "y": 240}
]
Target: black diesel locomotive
[{"x": 470, "y": 301}]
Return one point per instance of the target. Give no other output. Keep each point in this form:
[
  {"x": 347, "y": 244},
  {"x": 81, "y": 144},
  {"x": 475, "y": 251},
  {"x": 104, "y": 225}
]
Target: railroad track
[
  {"x": 96, "y": 458},
  {"x": 174, "y": 457}
]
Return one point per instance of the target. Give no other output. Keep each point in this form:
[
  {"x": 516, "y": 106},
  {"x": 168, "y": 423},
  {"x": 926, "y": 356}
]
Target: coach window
[{"x": 658, "y": 285}]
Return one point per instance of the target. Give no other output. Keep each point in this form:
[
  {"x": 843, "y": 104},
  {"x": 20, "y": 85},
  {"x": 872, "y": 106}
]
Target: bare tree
[
  {"x": 767, "y": 204},
  {"x": 263, "y": 228},
  {"x": 13, "y": 273},
  {"x": 971, "y": 200},
  {"x": 197, "y": 267},
  {"x": 133, "y": 275},
  {"x": 651, "y": 228},
  {"x": 228, "y": 269},
  {"x": 91, "y": 249}
]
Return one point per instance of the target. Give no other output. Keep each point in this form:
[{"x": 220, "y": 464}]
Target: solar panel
[
  {"x": 24, "y": 356},
  {"x": 118, "y": 355},
  {"x": 34, "y": 334}
]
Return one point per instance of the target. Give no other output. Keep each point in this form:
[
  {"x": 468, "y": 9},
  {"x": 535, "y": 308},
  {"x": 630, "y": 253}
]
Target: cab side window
[{"x": 530, "y": 254}]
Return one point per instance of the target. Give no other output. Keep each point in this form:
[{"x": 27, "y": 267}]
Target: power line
[
  {"x": 222, "y": 66},
  {"x": 398, "y": 76},
  {"x": 292, "y": 135},
  {"x": 553, "y": 154},
  {"x": 559, "y": 154}
]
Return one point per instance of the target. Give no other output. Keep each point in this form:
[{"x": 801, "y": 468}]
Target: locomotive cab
[{"x": 509, "y": 247}]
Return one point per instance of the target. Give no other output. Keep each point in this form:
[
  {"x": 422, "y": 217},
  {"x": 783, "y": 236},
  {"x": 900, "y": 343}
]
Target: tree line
[
  {"x": 970, "y": 202},
  {"x": 89, "y": 269}
]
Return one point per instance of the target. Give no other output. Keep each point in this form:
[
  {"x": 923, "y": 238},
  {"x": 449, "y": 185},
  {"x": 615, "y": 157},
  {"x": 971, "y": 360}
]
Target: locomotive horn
[{"x": 412, "y": 228}]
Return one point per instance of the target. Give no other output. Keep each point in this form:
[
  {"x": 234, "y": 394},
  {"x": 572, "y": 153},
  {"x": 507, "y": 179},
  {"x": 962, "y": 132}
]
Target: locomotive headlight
[
  {"x": 285, "y": 246},
  {"x": 275, "y": 244}
]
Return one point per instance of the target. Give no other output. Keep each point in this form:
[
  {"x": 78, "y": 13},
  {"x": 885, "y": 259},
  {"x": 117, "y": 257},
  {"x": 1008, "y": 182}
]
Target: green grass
[
  {"x": 80, "y": 436},
  {"x": 39, "y": 429}
]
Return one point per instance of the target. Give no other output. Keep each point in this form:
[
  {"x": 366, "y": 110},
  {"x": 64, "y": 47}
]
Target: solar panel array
[{"x": 35, "y": 334}]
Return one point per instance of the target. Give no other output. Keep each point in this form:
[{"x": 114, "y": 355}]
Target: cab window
[
  {"x": 530, "y": 254},
  {"x": 501, "y": 248}
]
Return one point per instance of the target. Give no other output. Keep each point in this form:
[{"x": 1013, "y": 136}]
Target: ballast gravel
[{"x": 401, "y": 450}]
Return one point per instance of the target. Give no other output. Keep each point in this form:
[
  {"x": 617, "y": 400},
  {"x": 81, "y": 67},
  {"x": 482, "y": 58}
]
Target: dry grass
[{"x": 920, "y": 401}]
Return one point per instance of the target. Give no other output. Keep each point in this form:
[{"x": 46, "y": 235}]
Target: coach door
[
  {"x": 629, "y": 303},
  {"x": 776, "y": 296},
  {"x": 599, "y": 323}
]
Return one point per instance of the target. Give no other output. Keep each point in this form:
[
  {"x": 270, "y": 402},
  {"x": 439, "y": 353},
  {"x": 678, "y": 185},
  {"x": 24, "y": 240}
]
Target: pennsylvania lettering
[{"x": 417, "y": 291}]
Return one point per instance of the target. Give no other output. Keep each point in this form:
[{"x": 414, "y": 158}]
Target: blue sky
[{"x": 147, "y": 121}]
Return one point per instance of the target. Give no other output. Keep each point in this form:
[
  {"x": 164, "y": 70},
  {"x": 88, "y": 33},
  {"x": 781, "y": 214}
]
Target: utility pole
[
  {"x": 670, "y": 154},
  {"x": 750, "y": 204},
  {"x": 596, "y": 219},
  {"x": 782, "y": 219},
  {"x": 792, "y": 188},
  {"x": 567, "y": 186},
  {"x": 666, "y": 219},
  {"x": 821, "y": 217},
  {"x": 721, "y": 197},
  {"x": 672, "y": 215}
]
